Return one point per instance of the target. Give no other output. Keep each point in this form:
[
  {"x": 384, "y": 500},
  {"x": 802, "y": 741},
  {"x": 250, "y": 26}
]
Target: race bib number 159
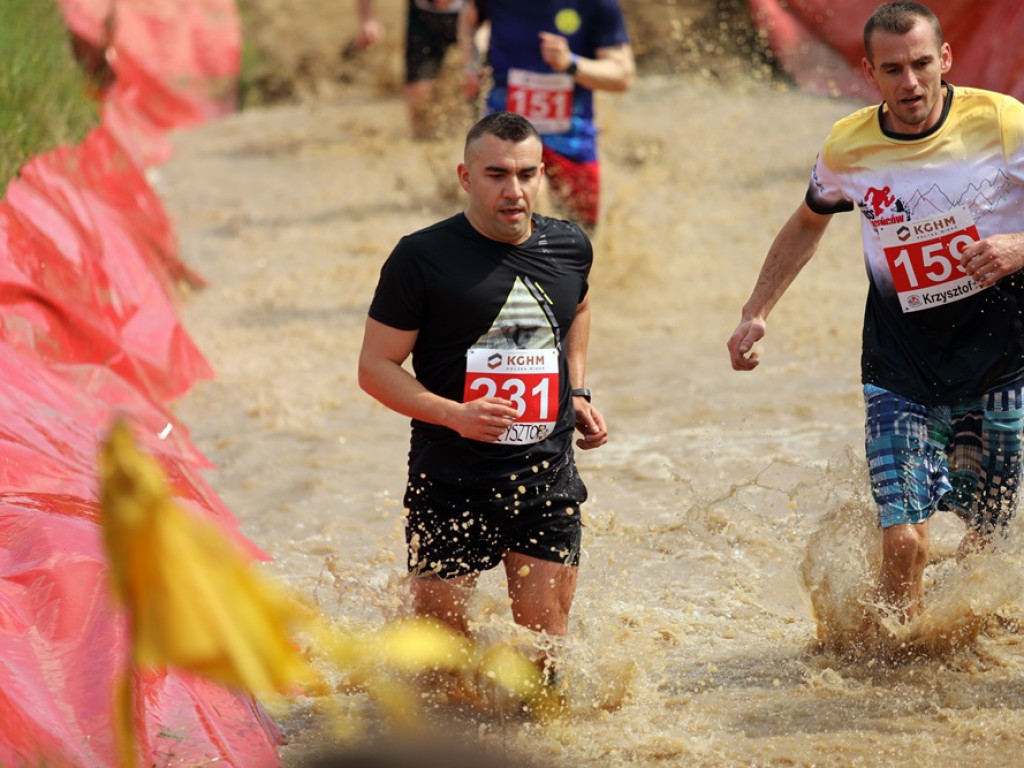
[
  {"x": 924, "y": 258},
  {"x": 527, "y": 377}
]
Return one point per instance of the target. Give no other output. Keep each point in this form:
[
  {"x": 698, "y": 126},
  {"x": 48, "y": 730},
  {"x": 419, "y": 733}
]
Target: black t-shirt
[{"x": 462, "y": 290}]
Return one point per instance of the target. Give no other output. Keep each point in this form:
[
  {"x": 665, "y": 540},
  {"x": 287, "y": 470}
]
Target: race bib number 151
[
  {"x": 543, "y": 98},
  {"x": 527, "y": 377},
  {"x": 924, "y": 258}
]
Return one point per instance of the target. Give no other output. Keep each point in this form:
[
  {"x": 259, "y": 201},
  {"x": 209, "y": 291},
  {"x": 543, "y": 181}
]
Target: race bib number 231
[{"x": 527, "y": 377}]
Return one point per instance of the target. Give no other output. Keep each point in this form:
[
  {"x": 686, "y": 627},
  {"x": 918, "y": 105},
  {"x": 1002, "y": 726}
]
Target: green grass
[{"x": 44, "y": 99}]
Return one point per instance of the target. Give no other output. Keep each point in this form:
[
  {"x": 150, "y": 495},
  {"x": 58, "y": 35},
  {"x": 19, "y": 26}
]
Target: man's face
[
  {"x": 503, "y": 180},
  {"x": 907, "y": 70}
]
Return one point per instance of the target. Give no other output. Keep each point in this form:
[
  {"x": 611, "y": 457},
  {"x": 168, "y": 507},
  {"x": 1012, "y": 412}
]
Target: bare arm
[
  {"x": 611, "y": 69},
  {"x": 466, "y": 31},
  {"x": 370, "y": 30},
  {"x": 382, "y": 376},
  {"x": 589, "y": 420},
  {"x": 792, "y": 249}
]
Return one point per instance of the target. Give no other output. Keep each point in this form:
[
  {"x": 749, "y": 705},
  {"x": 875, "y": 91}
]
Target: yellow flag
[{"x": 194, "y": 600}]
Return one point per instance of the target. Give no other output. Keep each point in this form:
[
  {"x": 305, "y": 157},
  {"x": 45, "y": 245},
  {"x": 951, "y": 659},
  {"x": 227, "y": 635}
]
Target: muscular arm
[
  {"x": 611, "y": 69},
  {"x": 589, "y": 420},
  {"x": 792, "y": 249},
  {"x": 382, "y": 376}
]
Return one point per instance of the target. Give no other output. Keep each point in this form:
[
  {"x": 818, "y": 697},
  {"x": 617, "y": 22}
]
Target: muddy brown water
[{"x": 723, "y": 502}]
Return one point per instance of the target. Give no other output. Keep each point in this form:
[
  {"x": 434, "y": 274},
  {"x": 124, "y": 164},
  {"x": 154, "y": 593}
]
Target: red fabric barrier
[
  {"x": 820, "y": 43},
  {"x": 62, "y": 650},
  {"x": 51, "y": 423},
  {"x": 61, "y": 640},
  {"x": 89, "y": 330},
  {"x": 191, "y": 47},
  {"x": 175, "y": 64},
  {"x": 95, "y": 272}
]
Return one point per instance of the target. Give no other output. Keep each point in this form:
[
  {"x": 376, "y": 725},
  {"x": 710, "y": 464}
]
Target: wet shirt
[
  {"x": 514, "y": 47},
  {"x": 930, "y": 333},
  {"x": 482, "y": 308}
]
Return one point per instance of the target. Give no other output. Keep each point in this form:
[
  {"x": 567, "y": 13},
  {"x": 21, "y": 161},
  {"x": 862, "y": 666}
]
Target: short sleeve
[
  {"x": 400, "y": 298},
  {"x": 824, "y": 194},
  {"x": 1012, "y": 127}
]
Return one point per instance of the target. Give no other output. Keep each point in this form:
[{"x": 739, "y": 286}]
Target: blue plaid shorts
[{"x": 965, "y": 458}]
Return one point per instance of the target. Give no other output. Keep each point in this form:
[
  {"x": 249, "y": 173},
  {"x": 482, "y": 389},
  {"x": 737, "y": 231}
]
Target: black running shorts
[
  {"x": 427, "y": 39},
  {"x": 453, "y": 531}
]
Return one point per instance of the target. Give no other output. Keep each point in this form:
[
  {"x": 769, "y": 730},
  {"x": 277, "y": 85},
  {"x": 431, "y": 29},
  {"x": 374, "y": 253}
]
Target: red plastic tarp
[
  {"x": 63, "y": 649},
  {"x": 87, "y": 276},
  {"x": 820, "y": 43},
  {"x": 175, "y": 64},
  {"x": 89, "y": 331},
  {"x": 62, "y": 641}
]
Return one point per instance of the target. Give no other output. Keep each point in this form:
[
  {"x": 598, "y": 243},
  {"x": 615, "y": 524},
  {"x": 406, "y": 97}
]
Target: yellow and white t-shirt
[{"x": 930, "y": 333}]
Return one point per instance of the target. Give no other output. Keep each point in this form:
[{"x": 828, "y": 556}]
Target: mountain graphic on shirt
[
  {"x": 524, "y": 322},
  {"x": 979, "y": 198}
]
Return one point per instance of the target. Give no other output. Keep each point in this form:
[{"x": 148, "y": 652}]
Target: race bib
[
  {"x": 543, "y": 98},
  {"x": 527, "y": 377},
  {"x": 924, "y": 258}
]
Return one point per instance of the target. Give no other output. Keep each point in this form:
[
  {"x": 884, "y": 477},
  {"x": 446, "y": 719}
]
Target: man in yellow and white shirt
[{"x": 937, "y": 174}]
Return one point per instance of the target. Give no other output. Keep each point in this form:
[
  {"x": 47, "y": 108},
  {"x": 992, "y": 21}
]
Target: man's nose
[
  {"x": 910, "y": 79},
  {"x": 513, "y": 188}
]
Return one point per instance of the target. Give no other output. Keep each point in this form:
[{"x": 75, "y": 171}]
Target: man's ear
[
  {"x": 868, "y": 72},
  {"x": 463, "y": 174}
]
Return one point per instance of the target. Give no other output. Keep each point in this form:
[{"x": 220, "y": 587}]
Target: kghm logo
[
  {"x": 494, "y": 361},
  {"x": 903, "y": 233}
]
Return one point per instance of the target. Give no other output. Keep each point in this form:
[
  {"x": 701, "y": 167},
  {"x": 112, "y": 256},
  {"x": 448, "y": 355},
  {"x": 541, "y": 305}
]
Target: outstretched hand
[
  {"x": 741, "y": 344},
  {"x": 590, "y": 422},
  {"x": 370, "y": 33}
]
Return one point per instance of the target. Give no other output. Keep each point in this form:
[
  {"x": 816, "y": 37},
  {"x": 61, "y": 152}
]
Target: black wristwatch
[
  {"x": 574, "y": 65},
  {"x": 582, "y": 392}
]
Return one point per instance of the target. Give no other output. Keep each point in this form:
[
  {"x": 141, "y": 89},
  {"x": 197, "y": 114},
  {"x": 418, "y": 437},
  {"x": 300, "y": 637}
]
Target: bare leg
[
  {"x": 541, "y": 592},
  {"x": 904, "y": 556},
  {"x": 971, "y": 542},
  {"x": 443, "y": 599}
]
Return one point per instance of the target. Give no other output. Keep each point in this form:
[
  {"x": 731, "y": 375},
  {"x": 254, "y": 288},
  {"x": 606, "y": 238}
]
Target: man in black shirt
[{"x": 493, "y": 306}]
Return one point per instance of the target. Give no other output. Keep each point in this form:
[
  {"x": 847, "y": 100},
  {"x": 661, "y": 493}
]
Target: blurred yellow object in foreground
[{"x": 196, "y": 602}]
